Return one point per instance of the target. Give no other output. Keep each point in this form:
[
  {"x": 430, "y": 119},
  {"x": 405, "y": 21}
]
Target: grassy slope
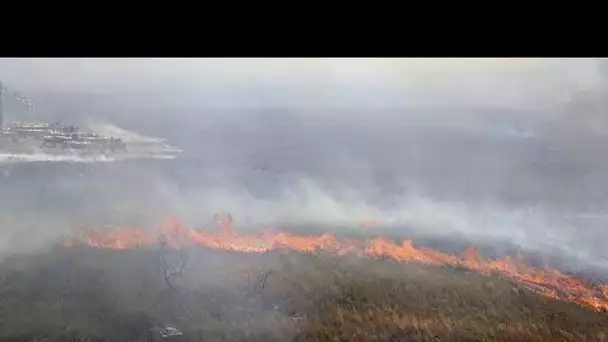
[{"x": 95, "y": 295}]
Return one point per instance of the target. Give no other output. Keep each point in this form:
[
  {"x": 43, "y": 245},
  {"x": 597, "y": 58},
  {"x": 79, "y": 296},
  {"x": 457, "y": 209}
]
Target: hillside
[{"x": 89, "y": 294}]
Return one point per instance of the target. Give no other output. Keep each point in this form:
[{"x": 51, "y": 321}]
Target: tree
[{"x": 171, "y": 264}]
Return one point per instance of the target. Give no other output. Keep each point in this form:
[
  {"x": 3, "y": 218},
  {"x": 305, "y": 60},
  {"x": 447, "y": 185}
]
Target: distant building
[{"x": 1, "y": 113}]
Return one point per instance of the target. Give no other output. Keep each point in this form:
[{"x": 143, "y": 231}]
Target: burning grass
[
  {"x": 547, "y": 281},
  {"x": 89, "y": 294}
]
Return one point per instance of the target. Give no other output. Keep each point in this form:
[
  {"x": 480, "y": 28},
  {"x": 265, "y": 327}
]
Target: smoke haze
[{"x": 490, "y": 149}]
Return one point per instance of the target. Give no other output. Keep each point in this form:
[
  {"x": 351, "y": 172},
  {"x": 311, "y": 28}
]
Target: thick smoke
[{"x": 493, "y": 150}]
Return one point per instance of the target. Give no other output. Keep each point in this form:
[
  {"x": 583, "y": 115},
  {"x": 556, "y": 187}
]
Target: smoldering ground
[{"x": 91, "y": 294}]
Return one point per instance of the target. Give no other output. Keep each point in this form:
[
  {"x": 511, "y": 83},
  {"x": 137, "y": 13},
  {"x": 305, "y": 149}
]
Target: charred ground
[{"x": 89, "y": 294}]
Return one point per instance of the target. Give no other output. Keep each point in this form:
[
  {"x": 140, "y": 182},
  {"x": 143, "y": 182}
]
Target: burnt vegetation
[{"x": 88, "y": 294}]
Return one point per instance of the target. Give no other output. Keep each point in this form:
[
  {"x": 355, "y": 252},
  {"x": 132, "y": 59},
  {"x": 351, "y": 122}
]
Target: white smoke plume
[
  {"x": 111, "y": 130},
  {"x": 493, "y": 147}
]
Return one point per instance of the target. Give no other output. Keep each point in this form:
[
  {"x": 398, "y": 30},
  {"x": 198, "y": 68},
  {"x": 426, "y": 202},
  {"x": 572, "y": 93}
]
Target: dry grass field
[{"x": 89, "y": 294}]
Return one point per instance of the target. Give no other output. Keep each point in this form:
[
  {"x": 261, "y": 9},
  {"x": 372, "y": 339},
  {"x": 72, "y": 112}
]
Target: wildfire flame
[{"x": 546, "y": 281}]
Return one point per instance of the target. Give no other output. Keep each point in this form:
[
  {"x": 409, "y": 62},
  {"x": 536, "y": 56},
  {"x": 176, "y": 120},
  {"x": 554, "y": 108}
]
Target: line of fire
[{"x": 175, "y": 234}]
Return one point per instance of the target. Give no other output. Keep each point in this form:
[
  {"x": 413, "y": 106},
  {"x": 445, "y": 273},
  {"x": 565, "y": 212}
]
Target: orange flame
[{"x": 546, "y": 281}]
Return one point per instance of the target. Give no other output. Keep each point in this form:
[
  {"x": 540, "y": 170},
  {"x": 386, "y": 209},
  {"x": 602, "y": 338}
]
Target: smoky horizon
[{"x": 492, "y": 149}]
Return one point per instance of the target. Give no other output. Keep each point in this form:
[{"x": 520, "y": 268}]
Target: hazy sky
[
  {"x": 536, "y": 91},
  {"x": 440, "y": 82}
]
